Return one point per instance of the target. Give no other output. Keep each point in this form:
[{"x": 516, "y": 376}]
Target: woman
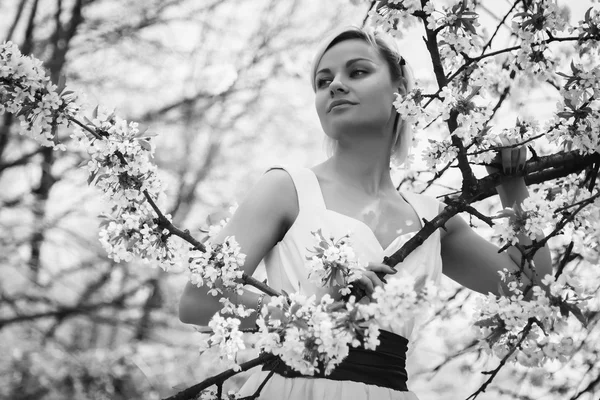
[{"x": 355, "y": 76}]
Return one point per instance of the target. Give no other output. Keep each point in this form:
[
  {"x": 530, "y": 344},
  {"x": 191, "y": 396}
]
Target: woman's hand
[
  {"x": 512, "y": 159},
  {"x": 370, "y": 279}
]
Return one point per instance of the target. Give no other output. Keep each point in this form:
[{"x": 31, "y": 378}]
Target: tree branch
[
  {"x": 494, "y": 372},
  {"x": 185, "y": 235},
  {"x": 193, "y": 391}
]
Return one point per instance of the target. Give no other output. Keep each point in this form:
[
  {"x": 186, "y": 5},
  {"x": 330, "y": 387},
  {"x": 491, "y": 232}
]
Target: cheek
[
  {"x": 320, "y": 105},
  {"x": 379, "y": 102}
]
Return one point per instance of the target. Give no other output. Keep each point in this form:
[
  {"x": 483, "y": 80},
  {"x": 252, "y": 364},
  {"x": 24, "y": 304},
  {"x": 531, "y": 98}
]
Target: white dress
[{"x": 286, "y": 270}]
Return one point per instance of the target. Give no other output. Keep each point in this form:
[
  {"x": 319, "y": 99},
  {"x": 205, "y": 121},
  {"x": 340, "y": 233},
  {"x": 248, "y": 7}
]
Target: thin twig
[
  {"x": 489, "y": 43},
  {"x": 509, "y": 146},
  {"x": 564, "y": 260},
  {"x": 493, "y": 373},
  {"x": 193, "y": 391}
]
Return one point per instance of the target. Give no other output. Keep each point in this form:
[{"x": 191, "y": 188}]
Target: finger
[
  {"x": 498, "y": 141},
  {"x": 379, "y": 267},
  {"x": 514, "y": 160},
  {"x": 522, "y": 158},
  {"x": 506, "y": 159},
  {"x": 505, "y": 140},
  {"x": 375, "y": 280},
  {"x": 366, "y": 284}
]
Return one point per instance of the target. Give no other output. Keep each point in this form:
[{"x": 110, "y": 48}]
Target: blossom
[
  {"x": 537, "y": 324},
  {"x": 403, "y": 297},
  {"x": 333, "y": 262},
  {"x": 217, "y": 265},
  {"x": 227, "y": 336},
  {"x": 411, "y": 110},
  {"x": 27, "y": 93},
  {"x": 395, "y": 16}
]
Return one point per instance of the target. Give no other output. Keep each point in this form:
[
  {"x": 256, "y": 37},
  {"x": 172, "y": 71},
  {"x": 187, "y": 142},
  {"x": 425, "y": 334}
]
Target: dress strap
[{"x": 307, "y": 187}]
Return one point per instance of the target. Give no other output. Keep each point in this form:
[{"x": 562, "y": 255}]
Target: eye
[
  {"x": 356, "y": 72},
  {"x": 321, "y": 82}
]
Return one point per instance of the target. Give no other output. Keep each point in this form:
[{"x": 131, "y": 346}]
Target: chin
[{"x": 341, "y": 126}]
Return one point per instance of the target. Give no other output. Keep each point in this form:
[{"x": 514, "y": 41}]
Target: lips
[{"x": 337, "y": 103}]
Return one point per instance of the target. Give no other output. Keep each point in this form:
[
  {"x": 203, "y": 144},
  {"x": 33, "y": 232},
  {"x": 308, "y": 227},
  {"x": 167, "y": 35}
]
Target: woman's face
[{"x": 354, "y": 74}]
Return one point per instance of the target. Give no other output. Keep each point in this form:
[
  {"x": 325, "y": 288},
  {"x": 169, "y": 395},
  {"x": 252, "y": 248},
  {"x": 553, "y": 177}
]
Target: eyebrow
[{"x": 348, "y": 63}]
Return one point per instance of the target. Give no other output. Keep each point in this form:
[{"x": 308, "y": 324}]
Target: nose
[{"x": 337, "y": 86}]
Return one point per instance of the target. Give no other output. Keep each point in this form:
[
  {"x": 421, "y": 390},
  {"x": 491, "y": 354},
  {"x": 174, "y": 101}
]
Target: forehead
[{"x": 345, "y": 50}]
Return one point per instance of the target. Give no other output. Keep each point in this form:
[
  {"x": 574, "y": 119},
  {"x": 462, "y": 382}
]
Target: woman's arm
[
  {"x": 473, "y": 261},
  {"x": 259, "y": 222}
]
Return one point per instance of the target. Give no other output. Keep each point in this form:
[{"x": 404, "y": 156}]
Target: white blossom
[
  {"x": 502, "y": 321},
  {"x": 333, "y": 262},
  {"x": 219, "y": 264}
]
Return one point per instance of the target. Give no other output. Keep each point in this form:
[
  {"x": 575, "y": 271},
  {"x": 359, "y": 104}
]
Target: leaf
[
  {"x": 145, "y": 144},
  {"x": 92, "y": 177},
  {"x": 574, "y": 68},
  {"x": 567, "y": 308},
  {"x": 62, "y": 83},
  {"x": 487, "y": 322},
  {"x": 470, "y": 27},
  {"x": 95, "y": 112},
  {"x": 88, "y": 121},
  {"x": 587, "y": 14},
  {"x": 565, "y": 114}
]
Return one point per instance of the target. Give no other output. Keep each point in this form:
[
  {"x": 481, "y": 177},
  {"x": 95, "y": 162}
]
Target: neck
[{"x": 364, "y": 164}]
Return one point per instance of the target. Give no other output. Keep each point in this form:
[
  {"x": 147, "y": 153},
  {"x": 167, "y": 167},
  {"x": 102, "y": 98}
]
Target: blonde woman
[{"x": 355, "y": 76}]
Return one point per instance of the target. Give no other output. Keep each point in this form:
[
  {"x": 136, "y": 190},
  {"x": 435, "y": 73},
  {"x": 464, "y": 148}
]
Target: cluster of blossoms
[
  {"x": 471, "y": 118},
  {"x": 539, "y": 212},
  {"x": 309, "y": 336},
  {"x": 459, "y": 34},
  {"x": 577, "y": 122},
  {"x": 540, "y": 18},
  {"x": 120, "y": 156},
  {"x": 133, "y": 232},
  {"x": 26, "y": 92},
  {"x": 226, "y": 335},
  {"x": 120, "y": 165},
  {"x": 403, "y": 297},
  {"x": 534, "y": 331},
  {"x": 533, "y": 26},
  {"x": 588, "y": 31},
  {"x": 394, "y": 16},
  {"x": 523, "y": 131},
  {"x": 333, "y": 262},
  {"x": 411, "y": 109},
  {"x": 218, "y": 265},
  {"x": 313, "y": 337},
  {"x": 439, "y": 153}
]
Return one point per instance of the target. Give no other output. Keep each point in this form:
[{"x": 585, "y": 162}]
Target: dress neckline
[{"x": 362, "y": 223}]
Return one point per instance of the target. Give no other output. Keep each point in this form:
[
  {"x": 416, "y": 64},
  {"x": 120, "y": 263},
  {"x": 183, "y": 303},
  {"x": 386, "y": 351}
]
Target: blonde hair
[{"x": 399, "y": 70}]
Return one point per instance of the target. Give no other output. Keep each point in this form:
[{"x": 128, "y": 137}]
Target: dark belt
[{"x": 385, "y": 366}]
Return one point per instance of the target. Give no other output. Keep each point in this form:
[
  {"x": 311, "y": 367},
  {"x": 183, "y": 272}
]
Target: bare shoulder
[{"x": 275, "y": 194}]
